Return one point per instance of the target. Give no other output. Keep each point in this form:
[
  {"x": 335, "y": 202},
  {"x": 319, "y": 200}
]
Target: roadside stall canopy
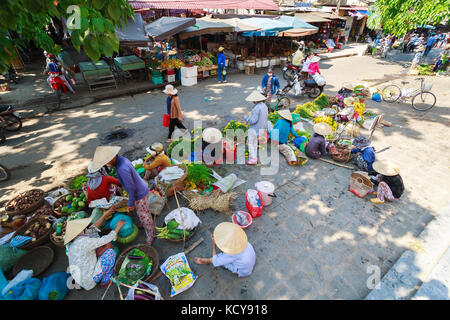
[
  {"x": 205, "y": 26},
  {"x": 238, "y": 24},
  {"x": 268, "y": 27},
  {"x": 310, "y": 17},
  {"x": 165, "y": 27},
  {"x": 134, "y": 33},
  {"x": 299, "y": 28},
  {"x": 202, "y": 4},
  {"x": 328, "y": 15}
]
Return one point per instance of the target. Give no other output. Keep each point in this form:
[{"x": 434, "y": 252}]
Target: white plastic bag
[
  {"x": 105, "y": 204},
  {"x": 55, "y": 195},
  {"x": 177, "y": 269},
  {"x": 152, "y": 287},
  {"x": 171, "y": 173},
  {"x": 22, "y": 275},
  {"x": 297, "y": 88},
  {"x": 190, "y": 219},
  {"x": 319, "y": 79}
]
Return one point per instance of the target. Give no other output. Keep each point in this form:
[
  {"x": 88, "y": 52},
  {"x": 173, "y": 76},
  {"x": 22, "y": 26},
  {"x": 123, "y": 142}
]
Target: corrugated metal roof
[{"x": 204, "y": 4}]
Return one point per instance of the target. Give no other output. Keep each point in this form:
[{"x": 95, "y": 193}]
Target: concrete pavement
[{"x": 317, "y": 240}]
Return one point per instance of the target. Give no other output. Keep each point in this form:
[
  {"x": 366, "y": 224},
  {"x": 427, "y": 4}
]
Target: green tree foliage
[
  {"x": 29, "y": 18},
  {"x": 399, "y": 16}
]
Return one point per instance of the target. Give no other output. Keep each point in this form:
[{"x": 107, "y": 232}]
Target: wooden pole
[
  {"x": 337, "y": 164},
  {"x": 181, "y": 216}
]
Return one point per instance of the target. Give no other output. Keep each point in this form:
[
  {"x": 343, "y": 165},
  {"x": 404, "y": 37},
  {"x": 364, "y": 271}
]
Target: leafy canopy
[
  {"x": 29, "y": 18},
  {"x": 399, "y": 16}
]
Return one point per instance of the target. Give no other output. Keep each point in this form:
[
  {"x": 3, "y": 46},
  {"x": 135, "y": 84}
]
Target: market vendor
[
  {"x": 270, "y": 84},
  {"x": 211, "y": 137},
  {"x": 156, "y": 162},
  {"x": 365, "y": 154},
  {"x": 237, "y": 254},
  {"x": 316, "y": 146},
  {"x": 221, "y": 63},
  {"x": 389, "y": 181},
  {"x": 137, "y": 189},
  {"x": 284, "y": 127},
  {"x": 258, "y": 124},
  {"x": 91, "y": 257},
  {"x": 100, "y": 184}
]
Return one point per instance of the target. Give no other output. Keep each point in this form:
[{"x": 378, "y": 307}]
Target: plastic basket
[{"x": 157, "y": 80}]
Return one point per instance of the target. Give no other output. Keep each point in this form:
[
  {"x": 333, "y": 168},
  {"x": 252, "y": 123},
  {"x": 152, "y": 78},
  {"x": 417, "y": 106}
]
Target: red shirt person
[{"x": 100, "y": 185}]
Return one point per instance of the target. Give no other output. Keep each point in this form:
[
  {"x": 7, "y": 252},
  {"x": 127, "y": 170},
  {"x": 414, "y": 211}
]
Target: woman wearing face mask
[{"x": 270, "y": 84}]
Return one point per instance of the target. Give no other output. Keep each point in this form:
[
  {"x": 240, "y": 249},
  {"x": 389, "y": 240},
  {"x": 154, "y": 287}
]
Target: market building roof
[
  {"x": 268, "y": 27},
  {"x": 134, "y": 32},
  {"x": 311, "y": 17},
  {"x": 165, "y": 27},
  {"x": 202, "y": 4},
  {"x": 328, "y": 15},
  {"x": 205, "y": 26}
]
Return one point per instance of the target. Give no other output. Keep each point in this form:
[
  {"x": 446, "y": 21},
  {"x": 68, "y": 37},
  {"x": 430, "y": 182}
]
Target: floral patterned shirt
[{"x": 83, "y": 262}]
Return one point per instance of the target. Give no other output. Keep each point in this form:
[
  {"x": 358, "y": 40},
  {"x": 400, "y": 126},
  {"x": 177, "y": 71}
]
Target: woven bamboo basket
[
  {"x": 12, "y": 211},
  {"x": 44, "y": 238},
  {"x": 342, "y": 154},
  {"x": 193, "y": 232},
  {"x": 167, "y": 189},
  {"x": 151, "y": 254},
  {"x": 360, "y": 185},
  {"x": 37, "y": 259}
]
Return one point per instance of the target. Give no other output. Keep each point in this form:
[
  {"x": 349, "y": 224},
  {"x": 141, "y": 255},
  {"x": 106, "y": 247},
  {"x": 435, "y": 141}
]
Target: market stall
[
  {"x": 299, "y": 28},
  {"x": 165, "y": 27},
  {"x": 97, "y": 75},
  {"x": 133, "y": 34}
]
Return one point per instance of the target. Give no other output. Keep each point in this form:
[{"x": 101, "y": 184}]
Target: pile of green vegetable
[
  {"x": 77, "y": 183},
  {"x": 135, "y": 266},
  {"x": 322, "y": 101},
  {"x": 425, "y": 70},
  {"x": 199, "y": 175},
  {"x": 170, "y": 231},
  {"x": 307, "y": 110}
]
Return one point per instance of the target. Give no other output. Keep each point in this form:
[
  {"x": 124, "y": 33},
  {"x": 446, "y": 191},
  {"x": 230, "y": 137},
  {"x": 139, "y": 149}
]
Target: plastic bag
[
  {"x": 297, "y": 88},
  {"x": 319, "y": 79},
  {"x": 180, "y": 275},
  {"x": 55, "y": 195},
  {"x": 54, "y": 287},
  {"x": 156, "y": 203},
  {"x": 152, "y": 287},
  {"x": 134, "y": 268},
  {"x": 190, "y": 219},
  {"x": 21, "y": 276},
  {"x": 9, "y": 257},
  {"x": 27, "y": 289},
  {"x": 105, "y": 204},
  {"x": 127, "y": 228},
  {"x": 253, "y": 203}
]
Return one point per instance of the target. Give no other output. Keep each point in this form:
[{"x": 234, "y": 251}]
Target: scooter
[
  {"x": 308, "y": 86},
  {"x": 9, "y": 121},
  {"x": 281, "y": 101},
  {"x": 290, "y": 70},
  {"x": 4, "y": 173},
  {"x": 57, "y": 85}
]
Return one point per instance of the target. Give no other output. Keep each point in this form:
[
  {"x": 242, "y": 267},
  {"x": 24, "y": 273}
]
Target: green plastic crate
[
  {"x": 157, "y": 80},
  {"x": 156, "y": 73}
]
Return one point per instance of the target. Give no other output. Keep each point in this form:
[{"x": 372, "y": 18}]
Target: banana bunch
[{"x": 163, "y": 233}]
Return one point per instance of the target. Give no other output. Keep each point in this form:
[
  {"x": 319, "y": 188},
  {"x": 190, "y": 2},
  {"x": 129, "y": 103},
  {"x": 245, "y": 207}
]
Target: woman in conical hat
[
  {"x": 156, "y": 161},
  {"x": 237, "y": 254},
  {"x": 283, "y": 127},
  {"x": 389, "y": 181},
  {"x": 87, "y": 265},
  {"x": 317, "y": 145},
  {"x": 100, "y": 184}
]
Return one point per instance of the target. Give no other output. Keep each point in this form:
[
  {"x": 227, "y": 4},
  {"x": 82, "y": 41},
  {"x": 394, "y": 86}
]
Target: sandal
[{"x": 376, "y": 201}]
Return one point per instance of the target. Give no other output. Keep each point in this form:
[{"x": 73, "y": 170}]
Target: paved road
[{"x": 317, "y": 239}]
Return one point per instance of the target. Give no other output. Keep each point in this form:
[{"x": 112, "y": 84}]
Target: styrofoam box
[
  {"x": 273, "y": 61},
  {"x": 258, "y": 63},
  {"x": 188, "y": 72},
  {"x": 170, "y": 78},
  {"x": 249, "y": 63},
  {"x": 187, "y": 82},
  {"x": 265, "y": 62},
  {"x": 240, "y": 65}
]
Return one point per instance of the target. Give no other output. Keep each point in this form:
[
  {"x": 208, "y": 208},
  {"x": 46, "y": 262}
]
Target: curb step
[{"x": 414, "y": 268}]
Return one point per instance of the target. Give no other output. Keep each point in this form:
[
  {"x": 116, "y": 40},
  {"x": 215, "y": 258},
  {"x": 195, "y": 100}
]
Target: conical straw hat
[
  {"x": 286, "y": 114},
  {"x": 74, "y": 228},
  {"x": 102, "y": 156},
  {"x": 230, "y": 238},
  {"x": 386, "y": 167},
  {"x": 255, "y": 96},
  {"x": 323, "y": 129},
  {"x": 212, "y": 135}
]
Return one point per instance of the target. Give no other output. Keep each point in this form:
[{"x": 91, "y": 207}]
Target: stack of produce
[
  {"x": 135, "y": 266},
  {"x": 322, "y": 101},
  {"x": 71, "y": 203},
  {"x": 327, "y": 119},
  {"x": 307, "y": 110},
  {"x": 235, "y": 125},
  {"x": 425, "y": 70},
  {"x": 198, "y": 176},
  {"x": 170, "y": 231},
  {"x": 172, "y": 64},
  {"x": 37, "y": 230},
  {"x": 154, "y": 64},
  {"x": 273, "y": 117},
  {"x": 78, "y": 182},
  {"x": 45, "y": 210},
  {"x": 25, "y": 201}
]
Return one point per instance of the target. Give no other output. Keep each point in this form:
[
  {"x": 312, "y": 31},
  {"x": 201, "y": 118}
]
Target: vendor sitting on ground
[
  {"x": 100, "y": 185},
  {"x": 284, "y": 127},
  {"x": 389, "y": 181},
  {"x": 365, "y": 154},
  {"x": 317, "y": 145},
  {"x": 211, "y": 137},
  {"x": 237, "y": 255},
  {"x": 85, "y": 266},
  {"x": 156, "y": 162}
]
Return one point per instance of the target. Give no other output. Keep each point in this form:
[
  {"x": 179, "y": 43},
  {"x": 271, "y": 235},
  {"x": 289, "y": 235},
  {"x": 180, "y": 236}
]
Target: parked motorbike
[
  {"x": 58, "y": 86},
  {"x": 9, "y": 121},
  {"x": 4, "y": 173},
  {"x": 308, "y": 86},
  {"x": 289, "y": 71},
  {"x": 11, "y": 76}
]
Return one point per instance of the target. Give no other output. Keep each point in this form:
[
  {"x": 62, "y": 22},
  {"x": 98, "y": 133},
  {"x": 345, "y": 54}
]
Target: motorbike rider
[
  {"x": 298, "y": 56},
  {"x": 270, "y": 84},
  {"x": 54, "y": 67}
]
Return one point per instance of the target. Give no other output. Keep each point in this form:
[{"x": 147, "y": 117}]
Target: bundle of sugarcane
[{"x": 217, "y": 201}]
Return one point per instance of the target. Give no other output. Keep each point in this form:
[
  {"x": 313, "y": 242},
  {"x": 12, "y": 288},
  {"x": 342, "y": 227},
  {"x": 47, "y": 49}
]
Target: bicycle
[
  {"x": 281, "y": 101},
  {"x": 421, "y": 98}
]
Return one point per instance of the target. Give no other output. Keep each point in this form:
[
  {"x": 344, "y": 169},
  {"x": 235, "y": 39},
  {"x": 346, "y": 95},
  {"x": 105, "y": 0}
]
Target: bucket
[
  {"x": 166, "y": 120},
  {"x": 266, "y": 189}
]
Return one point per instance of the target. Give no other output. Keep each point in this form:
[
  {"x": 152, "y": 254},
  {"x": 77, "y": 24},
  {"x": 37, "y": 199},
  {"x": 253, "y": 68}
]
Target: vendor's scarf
[
  {"x": 361, "y": 142},
  {"x": 95, "y": 179}
]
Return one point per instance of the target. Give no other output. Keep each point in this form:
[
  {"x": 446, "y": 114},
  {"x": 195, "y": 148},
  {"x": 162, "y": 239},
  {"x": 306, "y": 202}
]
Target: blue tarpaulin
[
  {"x": 269, "y": 27},
  {"x": 296, "y": 23}
]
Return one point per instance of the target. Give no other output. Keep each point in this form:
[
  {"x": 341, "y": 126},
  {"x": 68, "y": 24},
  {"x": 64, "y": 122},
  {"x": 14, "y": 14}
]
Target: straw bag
[
  {"x": 360, "y": 184},
  {"x": 341, "y": 153}
]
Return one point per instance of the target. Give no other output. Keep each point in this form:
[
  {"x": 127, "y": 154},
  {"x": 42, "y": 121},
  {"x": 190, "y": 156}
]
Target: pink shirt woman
[{"x": 314, "y": 66}]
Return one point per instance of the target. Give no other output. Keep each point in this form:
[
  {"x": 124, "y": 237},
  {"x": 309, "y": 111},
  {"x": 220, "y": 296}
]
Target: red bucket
[{"x": 166, "y": 120}]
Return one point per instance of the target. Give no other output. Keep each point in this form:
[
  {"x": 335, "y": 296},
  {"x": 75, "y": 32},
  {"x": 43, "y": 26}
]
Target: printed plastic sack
[
  {"x": 180, "y": 275},
  {"x": 319, "y": 79},
  {"x": 253, "y": 202},
  {"x": 141, "y": 295},
  {"x": 9, "y": 257},
  {"x": 190, "y": 219},
  {"x": 105, "y": 204},
  {"x": 54, "y": 287},
  {"x": 156, "y": 203},
  {"x": 27, "y": 289}
]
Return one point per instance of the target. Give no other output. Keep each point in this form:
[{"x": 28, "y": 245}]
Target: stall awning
[
  {"x": 134, "y": 33},
  {"x": 205, "y": 26},
  {"x": 268, "y": 27},
  {"x": 328, "y": 15},
  {"x": 310, "y": 17},
  {"x": 238, "y": 24},
  {"x": 299, "y": 28},
  {"x": 165, "y": 27},
  {"x": 204, "y": 4}
]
